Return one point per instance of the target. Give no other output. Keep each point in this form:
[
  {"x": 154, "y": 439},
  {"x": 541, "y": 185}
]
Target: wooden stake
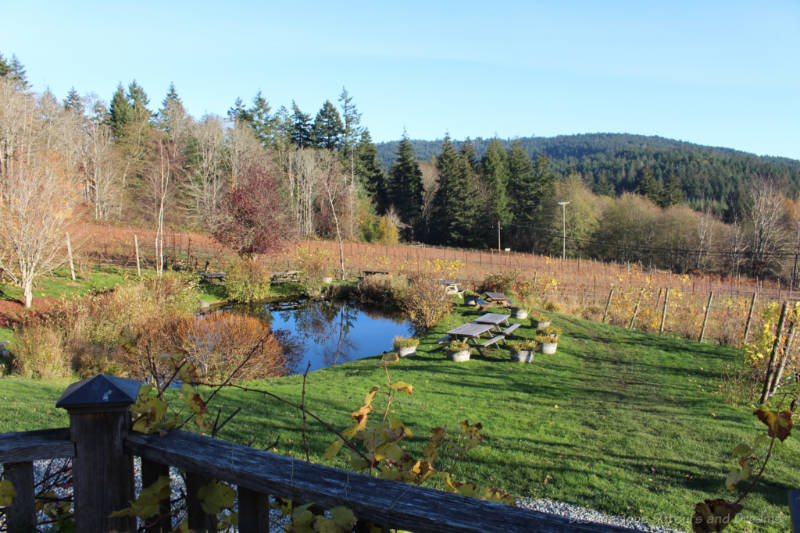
[
  {"x": 705, "y": 319},
  {"x": 749, "y": 317},
  {"x": 608, "y": 304},
  {"x": 71, "y": 263},
  {"x": 138, "y": 266},
  {"x": 768, "y": 376},
  {"x": 664, "y": 311},
  {"x": 636, "y": 309},
  {"x": 784, "y": 359}
]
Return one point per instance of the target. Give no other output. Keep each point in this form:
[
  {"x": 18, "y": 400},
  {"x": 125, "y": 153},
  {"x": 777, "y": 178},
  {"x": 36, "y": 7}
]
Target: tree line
[
  {"x": 612, "y": 164},
  {"x": 259, "y": 176}
]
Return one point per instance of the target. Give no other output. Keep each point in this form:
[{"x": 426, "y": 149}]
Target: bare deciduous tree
[{"x": 206, "y": 184}]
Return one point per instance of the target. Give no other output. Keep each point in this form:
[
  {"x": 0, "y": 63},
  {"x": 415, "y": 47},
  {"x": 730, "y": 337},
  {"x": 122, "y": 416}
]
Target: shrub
[
  {"x": 426, "y": 303},
  {"x": 552, "y": 306},
  {"x": 405, "y": 342},
  {"x": 247, "y": 280},
  {"x": 38, "y": 352},
  {"x": 456, "y": 346},
  {"x": 548, "y": 334},
  {"x": 501, "y": 282},
  {"x": 522, "y": 345},
  {"x": 379, "y": 289},
  {"x": 231, "y": 345}
]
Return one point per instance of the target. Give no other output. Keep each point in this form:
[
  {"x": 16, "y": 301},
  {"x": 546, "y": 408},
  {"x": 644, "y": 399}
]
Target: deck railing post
[
  {"x": 101, "y": 471},
  {"x": 21, "y": 516}
]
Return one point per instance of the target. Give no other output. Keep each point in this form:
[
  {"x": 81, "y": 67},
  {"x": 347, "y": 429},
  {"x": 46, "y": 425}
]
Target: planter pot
[
  {"x": 519, "y": 313},
  {"x": 327, "y": 280},
  {"x": 458, "y": 357},
  {"x": 471, "y": 300},
  {"x": 539, "y": 324},
  {"x": 408, "y": 350},
  {"x": 522, "y": 356},
  {"x": 549, "y": 347}
]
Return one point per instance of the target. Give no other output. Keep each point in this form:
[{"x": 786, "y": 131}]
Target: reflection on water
[{"x": 326, "y": 333}]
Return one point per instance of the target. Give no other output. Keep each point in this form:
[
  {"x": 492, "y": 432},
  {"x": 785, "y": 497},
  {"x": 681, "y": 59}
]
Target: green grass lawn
[
  {"x": 625, "y": 422},
  {"x": 59, "y": 284}
]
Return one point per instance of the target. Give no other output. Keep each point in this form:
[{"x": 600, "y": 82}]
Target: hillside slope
[{"x": 613, "y": 162}]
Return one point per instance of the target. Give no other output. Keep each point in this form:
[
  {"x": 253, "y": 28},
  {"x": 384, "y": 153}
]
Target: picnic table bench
[
  {"x": 495, "y": 319},
  {"x": 472, "y": 332},
  {"x": 451, "y": 287},
  {"x": 284, "y": 277},
  {"x": 213, "y": 277},
  {"x": 365, "y": 273}
]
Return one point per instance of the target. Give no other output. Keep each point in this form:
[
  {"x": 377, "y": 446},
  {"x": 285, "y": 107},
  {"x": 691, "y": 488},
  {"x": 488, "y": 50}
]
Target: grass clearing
[{"x": 625, "y": 422}]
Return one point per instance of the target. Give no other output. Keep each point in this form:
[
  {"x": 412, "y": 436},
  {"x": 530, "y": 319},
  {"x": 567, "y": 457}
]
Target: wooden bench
[
  {"x": 510, "y": 329},
  {"x": 493, "y": 340},
  {"x": 213, "y": 277}
]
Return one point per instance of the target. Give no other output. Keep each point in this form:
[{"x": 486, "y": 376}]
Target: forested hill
[{"x": 614, "y": 162}]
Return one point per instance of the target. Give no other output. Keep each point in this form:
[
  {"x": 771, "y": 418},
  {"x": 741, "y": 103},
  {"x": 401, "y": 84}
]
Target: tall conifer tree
[
  {"x": 328, "y": 127},
  {"x": 405, "y": 187},
  {"x": 495, "y": 177}
]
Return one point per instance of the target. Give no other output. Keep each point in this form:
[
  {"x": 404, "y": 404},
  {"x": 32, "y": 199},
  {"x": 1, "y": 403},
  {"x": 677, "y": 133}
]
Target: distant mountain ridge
[{"x": 613, "y": 162}]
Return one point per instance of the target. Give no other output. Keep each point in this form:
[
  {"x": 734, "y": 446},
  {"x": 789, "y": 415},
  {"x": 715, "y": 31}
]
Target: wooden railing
[{"x": 102, "y": 450}]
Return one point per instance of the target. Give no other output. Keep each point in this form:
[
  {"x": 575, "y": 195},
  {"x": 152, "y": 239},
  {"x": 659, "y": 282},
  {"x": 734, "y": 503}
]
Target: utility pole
[
  {"x": 564, "y": 229},
  {"x": 498, "y": 235}
]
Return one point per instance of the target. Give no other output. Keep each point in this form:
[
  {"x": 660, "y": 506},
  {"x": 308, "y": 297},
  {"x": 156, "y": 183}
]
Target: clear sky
[{"x": 723, "y": 73}]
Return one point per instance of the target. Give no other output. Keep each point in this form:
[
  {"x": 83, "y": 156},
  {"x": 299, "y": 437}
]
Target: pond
[{"x": 324, "y": 333}]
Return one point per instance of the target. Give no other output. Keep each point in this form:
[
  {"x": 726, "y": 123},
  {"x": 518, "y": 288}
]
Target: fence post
[
  {"x": 22, "y": 515},
  {"x": 636, "y": 309},
  {"x": 664, "y": 311},
  {"x": 749, "y": 317},
  {"x": 705, "y": 318},
  {"x": 101, "y": 471},
  {"x": 773, "y": 354},
  {"x": 608, "y": 304}
]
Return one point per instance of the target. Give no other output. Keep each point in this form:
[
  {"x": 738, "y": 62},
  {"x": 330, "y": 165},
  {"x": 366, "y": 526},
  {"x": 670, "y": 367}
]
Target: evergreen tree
[
  {"x": 238, "y": 112},
  {"x": 369, "y": 170},
  {"x": 673, "y": 193},
  {"x": 301, "y": 132},
  {"x": 405, "y": 187},
  {"x": 16, "y": 72},
  {"x": 120, "y": 112},
  {"x": 73, "y": 102},
  {"x": 328, "y": 127},
  {"x": 351, "y": 123},
  {"x": 649, "y": 186},
  {"x": 495, "y": 177},
  {"x": 454, "y": 210},
  {"x": 172, "y": 117},
  {"x": 530, "y": 187},
  {"x": 261, "y": 120},
  {"x": 5, "y": 68},
  {"x": 138, "y": 101}
]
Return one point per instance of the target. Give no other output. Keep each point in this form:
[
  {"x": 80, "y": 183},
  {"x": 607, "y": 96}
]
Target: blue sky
[{"x": 722, "y": 73}]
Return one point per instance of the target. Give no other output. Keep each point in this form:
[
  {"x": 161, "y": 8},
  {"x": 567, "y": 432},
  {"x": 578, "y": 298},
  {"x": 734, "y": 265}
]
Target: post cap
[{"x": 101, "y": 391}]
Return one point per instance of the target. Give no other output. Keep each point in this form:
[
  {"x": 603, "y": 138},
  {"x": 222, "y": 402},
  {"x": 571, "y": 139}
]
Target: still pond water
[{"x": 324, "y": 333}]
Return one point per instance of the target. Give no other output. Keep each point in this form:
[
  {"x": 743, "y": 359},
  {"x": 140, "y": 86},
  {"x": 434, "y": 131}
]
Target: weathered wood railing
[{"x": 102, "y": 449}]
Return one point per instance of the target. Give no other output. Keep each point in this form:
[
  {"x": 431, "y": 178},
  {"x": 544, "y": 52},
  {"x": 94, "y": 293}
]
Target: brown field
[{"x": 575, "y": 286}]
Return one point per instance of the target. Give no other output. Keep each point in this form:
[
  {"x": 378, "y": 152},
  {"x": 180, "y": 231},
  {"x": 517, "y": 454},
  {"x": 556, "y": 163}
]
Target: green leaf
[
  {"x": 147, "y": 504},
  {"x": 216, "y": 496},
  {"x": 333, "y": 449},
  {"x": 735, "y": 476},
  {"x": 343, "y": 517},
  {"x": 7, "y": 493},
  {"x": 301, "y": 516},
  {"x": 742, "y": 450},
  {"x": 403, "y": 387}
]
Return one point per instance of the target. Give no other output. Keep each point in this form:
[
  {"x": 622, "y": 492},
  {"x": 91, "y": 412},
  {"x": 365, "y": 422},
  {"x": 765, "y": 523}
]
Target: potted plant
[
  {"x": 519, "y": 312},
  {"x": 457, "y": 351},
  {"x": 405, "y": 346},
  {"x": 539, "y": 321},
  {"x": 548, "y": 339},
  {"x": 522, "y": 350},
  {"x": 470, "y": 298}
]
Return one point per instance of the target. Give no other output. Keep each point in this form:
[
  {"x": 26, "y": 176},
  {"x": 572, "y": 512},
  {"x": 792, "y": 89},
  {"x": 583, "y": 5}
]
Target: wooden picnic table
[
  {"x": 495, "y": 296},
  {"x": 470, "y": 331},
  {"x": 450, "y": 287},
  {"x": 282, "y": 277},
  {"x": 495, "y": 319}
]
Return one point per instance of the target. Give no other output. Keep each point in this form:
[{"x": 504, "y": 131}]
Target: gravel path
[{"x": 583, "y": 514}]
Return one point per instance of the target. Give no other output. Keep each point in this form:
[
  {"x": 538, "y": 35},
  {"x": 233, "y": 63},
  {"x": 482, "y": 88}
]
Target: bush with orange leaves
[{"x": 220, "y": 345}]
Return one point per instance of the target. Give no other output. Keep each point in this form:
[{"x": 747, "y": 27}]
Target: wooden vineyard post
[
  {"x": 768, "y": 377},
  {"x": 69, "y": 254},
  {"x": 664, "y": 311},
  {"x": 705, "y": 318},
  {"x": 636, "y": 309},
  {"x": 784, "y": 359},
  {"x": 608, "y": 304},
  {"x": 749, "y": 317},
  {"x": 102, "y": 472},
  {"x": 136, "y": 245}
]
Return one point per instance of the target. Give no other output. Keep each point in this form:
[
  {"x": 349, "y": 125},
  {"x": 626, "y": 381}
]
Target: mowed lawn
[{"x": 625, "y": 422}]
